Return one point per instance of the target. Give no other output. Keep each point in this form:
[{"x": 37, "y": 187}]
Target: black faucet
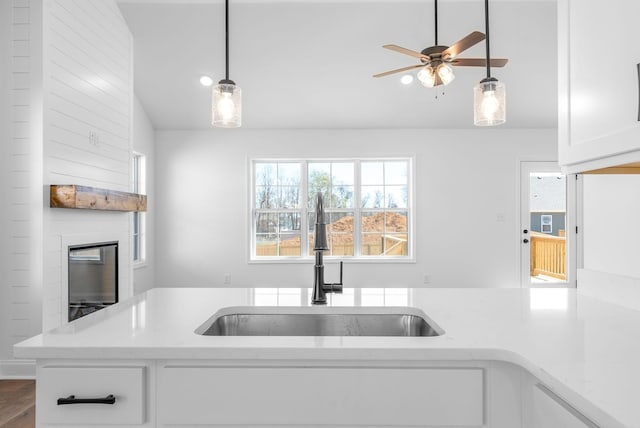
[{"x": 320, "y": 288}]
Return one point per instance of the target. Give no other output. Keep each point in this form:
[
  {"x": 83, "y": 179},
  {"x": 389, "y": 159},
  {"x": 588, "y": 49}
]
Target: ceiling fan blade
[
  {"x": 386, "y": 73},
  {"x": 479, "y": 62},
  {"x": 406, "y": 51},
  {"x": 463, "y": 44}
]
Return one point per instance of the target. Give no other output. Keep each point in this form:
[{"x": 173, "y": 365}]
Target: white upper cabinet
[{"x": 599, "y": 53}]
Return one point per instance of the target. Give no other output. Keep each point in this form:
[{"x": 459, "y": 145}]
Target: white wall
[
  {"x": 465, "y": 181},
  {"x": 87, "y": 91},
  {"x": 611, "y": 229},
  {"x": 612, "y": 224},
  {"x": 144, "y": 143}
]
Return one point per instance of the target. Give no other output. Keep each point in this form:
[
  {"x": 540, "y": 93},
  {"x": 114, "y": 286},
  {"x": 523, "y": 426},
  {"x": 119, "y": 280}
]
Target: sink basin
[{"x": 299, "y": 321}]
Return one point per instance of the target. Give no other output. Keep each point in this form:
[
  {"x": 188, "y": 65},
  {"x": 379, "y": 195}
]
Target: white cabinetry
[
  {"x": 598, "y": 83},
  {"x": 551, "y": 411},
  {"x": 190, "y": 393},
  {"x": 196, "y": 395},
  {"x": 81, "y": 394}
]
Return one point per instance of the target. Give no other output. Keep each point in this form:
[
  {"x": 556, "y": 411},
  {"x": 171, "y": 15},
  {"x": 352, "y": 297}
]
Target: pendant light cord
[
  {"x": 226, "y": 28},
  {"x": 486, "y": 25}
]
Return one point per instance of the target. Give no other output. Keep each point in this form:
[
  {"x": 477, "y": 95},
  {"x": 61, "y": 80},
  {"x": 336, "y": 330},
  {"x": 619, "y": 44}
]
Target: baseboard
[
  {"x": 17, "y": 369},
  {"x": 612, "y": 288}
]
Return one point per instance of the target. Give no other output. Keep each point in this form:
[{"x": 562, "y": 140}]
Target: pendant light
[
  {"x": 227, "y": 97},
  {"x": 489, "y": 96}
]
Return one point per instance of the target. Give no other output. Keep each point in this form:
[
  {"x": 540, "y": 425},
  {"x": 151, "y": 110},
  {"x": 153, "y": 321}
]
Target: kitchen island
[{"x": 501, "y": 349}]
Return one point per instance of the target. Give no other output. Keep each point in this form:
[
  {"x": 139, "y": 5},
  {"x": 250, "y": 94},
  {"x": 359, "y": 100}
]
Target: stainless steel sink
[{"x": 299, "y": 321}]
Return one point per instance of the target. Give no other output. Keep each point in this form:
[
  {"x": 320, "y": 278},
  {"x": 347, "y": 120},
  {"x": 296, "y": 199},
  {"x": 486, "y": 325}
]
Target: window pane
[
  {"x": 136, "y": 248},
  {"x": 372, "y": 244},
  {"x": 342, "y": 173},
  {"x": 372, "y": 197},
  {"x": 267, "y": 223},
  {"x": 394, "y": 245},
  {"x": 372, "y": 173},
  {"x": 289, "y": 174},
  {"x": 289, "y": 222},
  {"x": 266, "y": 197},
  {"x": 341, "y": 233},
  {"x": 396, "y": 222},
  {"x": 266, "y": 245},
  {"x": 396, "y": 197},
  {"x": 319, "y": 180},
  {"x": 265, "y": 174},
  {"x": 372, "y": 221},
  {"x": 289, "y": 197},
  {"x": 342, "y": 197},
  {"x": 395, "y": 172},
  {"x": 289, "y": 244}
]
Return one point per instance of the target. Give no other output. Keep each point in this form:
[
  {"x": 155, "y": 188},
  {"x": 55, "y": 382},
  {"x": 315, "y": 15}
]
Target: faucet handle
[{"x": 334, "y": 287}]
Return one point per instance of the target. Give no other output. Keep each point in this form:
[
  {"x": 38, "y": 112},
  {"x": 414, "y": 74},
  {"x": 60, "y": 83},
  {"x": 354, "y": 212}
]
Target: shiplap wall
[
  {"x": 66, "y": 104},
  {"x": 87, "y": 77},
  {"x": 22, "y": 241}
]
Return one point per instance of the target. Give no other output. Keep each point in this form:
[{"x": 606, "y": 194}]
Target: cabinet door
[
  {"x": 598, "y": 79},
  {"x": 550, "y": 411},
  {"x": 125, "y": 384},
  {"x": 214, "y": 396}
]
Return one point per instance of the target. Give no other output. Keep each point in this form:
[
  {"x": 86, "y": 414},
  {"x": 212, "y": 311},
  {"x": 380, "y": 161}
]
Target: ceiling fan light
[
  {"x": 445, "y": 72},
  {"x": 427, "y": 76},
  {"x": 226, "y": 105},
  {"x": 489, "y": 103}
]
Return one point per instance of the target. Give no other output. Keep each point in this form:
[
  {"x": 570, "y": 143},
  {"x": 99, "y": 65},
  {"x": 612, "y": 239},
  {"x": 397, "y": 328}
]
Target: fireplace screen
[{"x": 93, "y": 278}]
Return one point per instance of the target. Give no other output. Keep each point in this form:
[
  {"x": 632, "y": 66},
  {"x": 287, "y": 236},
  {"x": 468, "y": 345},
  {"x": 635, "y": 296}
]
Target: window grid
[{"x": 307, "y": 209}]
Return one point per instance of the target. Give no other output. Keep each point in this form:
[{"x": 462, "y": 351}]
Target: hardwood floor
[{"x": 17, "y": 403}]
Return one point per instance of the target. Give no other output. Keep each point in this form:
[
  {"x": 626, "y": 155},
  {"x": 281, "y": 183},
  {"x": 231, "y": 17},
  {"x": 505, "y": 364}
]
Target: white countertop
[{"x": 585, "y": 349}]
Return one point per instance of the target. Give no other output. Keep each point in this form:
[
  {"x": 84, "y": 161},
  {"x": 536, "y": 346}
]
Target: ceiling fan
[{"x": 436, "y": 61}]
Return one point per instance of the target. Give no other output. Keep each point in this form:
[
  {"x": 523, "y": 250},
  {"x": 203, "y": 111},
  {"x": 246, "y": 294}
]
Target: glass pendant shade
[
  {"x": 489, "y": 103},
  {"x": 442, "y": 74},
  {"x": 227, "y": 105},
  {"x": 427, "y": 76},
  {"x": 445, "y": 72}
]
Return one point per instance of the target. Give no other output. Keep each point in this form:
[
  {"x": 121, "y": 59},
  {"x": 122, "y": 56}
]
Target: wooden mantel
[{"x": 91, "y": 198}]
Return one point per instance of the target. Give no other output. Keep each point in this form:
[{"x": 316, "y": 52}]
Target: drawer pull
[{"x": 109, "y": 399}]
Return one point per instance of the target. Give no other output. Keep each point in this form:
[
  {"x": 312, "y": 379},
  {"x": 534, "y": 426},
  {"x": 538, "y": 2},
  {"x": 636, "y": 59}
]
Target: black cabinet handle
[{"x": 109, "y": 399}]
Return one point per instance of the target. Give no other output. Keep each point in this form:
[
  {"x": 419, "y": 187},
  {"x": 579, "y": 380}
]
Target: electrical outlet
[
  {"x": 227, "y": 279},
  {"x": 427, "y": 279}
]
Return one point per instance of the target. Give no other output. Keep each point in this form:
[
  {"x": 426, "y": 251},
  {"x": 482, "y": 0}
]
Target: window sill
[{"x": 140, "y": 264}]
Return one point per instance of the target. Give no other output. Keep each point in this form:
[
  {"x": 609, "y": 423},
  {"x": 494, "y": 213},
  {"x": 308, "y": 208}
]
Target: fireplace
[{"x": 93, "y": 277}]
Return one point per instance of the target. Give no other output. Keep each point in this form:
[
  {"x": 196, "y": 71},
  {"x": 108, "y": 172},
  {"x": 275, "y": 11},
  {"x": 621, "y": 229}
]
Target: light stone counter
[{"x": 587, "y": 350}]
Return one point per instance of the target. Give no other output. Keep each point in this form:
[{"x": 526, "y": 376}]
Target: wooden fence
[
  {"x": 548, "y": 255},
  {"x": 387, "y": 246}
]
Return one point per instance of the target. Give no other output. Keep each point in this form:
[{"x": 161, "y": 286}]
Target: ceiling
[{"x": 308, "y": 63}]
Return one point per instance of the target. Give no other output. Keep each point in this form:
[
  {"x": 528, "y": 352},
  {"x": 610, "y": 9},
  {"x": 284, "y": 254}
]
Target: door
[{"x": 547, "y": 225}]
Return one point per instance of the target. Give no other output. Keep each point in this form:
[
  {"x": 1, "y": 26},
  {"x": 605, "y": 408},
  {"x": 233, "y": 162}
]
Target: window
[
  {"x": 367, "y": 206},
  {"x": 138, "y": 174}
]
